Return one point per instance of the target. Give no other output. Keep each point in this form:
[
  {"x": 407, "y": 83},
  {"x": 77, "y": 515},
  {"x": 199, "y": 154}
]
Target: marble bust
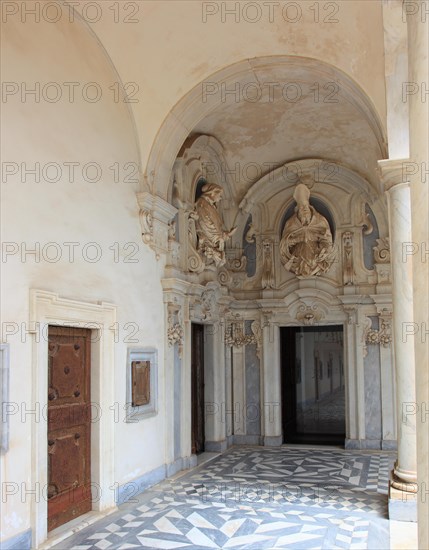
[
  {"x": 306, "y": 247},
  {"x": 209, "y": 226}
]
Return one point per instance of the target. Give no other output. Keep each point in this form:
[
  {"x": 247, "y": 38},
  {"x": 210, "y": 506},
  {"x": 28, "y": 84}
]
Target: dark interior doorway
[
  {"x": 197, "y": 388},
  {"x": 313, "y": 386}
]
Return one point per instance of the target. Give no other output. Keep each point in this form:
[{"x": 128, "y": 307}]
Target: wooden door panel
[
  {"x": 67, "y": 462},
  {"x": 69, "y": 425}
]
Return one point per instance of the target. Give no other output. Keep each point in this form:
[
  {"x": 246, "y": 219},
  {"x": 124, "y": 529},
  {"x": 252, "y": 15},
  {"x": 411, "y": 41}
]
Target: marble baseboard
[
  {"x": 136, "y": 486},
  {"x": 247, "y": 439},
  {"x": 273, "y": 440},
  {"x": 370, "y": 444},
  {"x": 22, "y": 541},
  {"x": 180, "y": 464},
  {"x": 216, "y": 446}
]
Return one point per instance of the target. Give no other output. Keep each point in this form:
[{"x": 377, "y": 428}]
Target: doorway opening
[
  {"x": 197, "y": 389},
  {"x": 69, "y": 424},
  {"x": 313, "y": 385}
]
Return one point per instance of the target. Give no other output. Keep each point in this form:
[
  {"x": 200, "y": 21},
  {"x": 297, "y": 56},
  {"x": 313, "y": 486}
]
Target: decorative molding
[
  {"x": 195, "y": 263},
  {"x": 392, "y": 172},
  {"x": 146, "y": 223},
  {"x": 382, "y": 336},
  {"x": 348, "y": 270},
  {"x": 235, "y": 335},
  {"x": 308, "y": 315},
  {"x": 174, "y": 328},
  {"x": 236, "y": 265},
  {"x": 267, "y": 264},
  {"x": 224, "y": 277},
  {"x": 382, "y": 251},
  {"x": 156, "y": 214},
  {"x": 208, "y": 301},
  {"x": 256, "y": 329},
  {"x": 366, "y": 224}
]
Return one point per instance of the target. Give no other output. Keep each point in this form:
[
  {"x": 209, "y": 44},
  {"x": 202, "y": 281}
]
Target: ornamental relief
[
  {"x": 235, "y": 335},
  {"x": 381, "y": 336},
  {"x": 309, "y": 315},
  {"x": 207, "y": 234},
  {"x": 174, "y": 326},
  {"x": 382, "y": 251},
  {"x": 306, "y": 247}
]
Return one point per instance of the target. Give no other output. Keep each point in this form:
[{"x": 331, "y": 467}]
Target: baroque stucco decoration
[
  {"x": 309, "y": 314},
  {"x": 235, "y": 335},
  {"x": 175, "y": 328},
  {"x": 268, "y": 264},
  {"x": 210, "y": 232},
  {"x": 306, "y": 248},
  {"x": 382, "y": 336},
  {"x": 348, "y": 269}
]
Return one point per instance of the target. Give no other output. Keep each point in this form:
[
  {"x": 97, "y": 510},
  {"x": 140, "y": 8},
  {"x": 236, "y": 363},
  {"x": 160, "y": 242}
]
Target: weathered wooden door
[
  {"x": 197, "y": 381},
  {"x": 69, "y": 424}
]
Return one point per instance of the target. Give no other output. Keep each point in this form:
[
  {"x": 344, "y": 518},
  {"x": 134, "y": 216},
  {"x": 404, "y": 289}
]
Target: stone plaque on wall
[
  {"x": 140, "y": 377},
  {"x": 142, "y": 384}
]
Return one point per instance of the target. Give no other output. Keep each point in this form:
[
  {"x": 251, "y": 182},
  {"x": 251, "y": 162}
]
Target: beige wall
[
  {"x": 104, "y": 212},
  {"x": 171, "y": 49}
]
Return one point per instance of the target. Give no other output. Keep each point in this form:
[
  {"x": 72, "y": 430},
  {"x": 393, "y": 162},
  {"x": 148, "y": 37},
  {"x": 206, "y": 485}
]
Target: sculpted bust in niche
[
  {"x": 209, "y": 226},
  {"x": 306, "y": 247}
]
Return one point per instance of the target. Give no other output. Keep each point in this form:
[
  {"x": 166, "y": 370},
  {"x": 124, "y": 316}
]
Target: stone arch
[{"x": 192, "y": 108}]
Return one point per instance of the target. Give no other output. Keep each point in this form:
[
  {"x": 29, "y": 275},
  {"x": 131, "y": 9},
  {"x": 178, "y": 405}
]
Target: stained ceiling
[{"x": 280, "y": 114}]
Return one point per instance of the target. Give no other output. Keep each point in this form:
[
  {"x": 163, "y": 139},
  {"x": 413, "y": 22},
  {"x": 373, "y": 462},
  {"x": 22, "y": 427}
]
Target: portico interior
[{"x": 203, "y": 310}]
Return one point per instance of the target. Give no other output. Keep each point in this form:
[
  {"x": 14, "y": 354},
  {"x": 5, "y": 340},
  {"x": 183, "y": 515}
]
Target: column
[
  {"x": 214, "y": 369},
  {"x": 418, "y": 30},
  {"x": 404, "y": 475},
  {"x": 271, "y": 403}
]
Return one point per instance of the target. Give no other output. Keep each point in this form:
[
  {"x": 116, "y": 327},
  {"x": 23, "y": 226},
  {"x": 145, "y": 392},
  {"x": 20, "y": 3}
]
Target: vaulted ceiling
[{"x": 280, "y": 113}]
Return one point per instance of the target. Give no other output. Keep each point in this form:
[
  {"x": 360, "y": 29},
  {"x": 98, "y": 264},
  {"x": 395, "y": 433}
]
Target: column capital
[{"x": 393, "y": 172}]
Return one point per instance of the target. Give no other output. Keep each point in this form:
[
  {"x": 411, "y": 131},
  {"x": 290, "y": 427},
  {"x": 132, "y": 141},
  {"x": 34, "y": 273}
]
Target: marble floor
[{"x": 256, "y": 498}]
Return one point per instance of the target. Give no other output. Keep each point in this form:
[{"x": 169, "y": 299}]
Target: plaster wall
[
  {"x": 194, "y": 39},
  {"x": 38, "y": 209}
]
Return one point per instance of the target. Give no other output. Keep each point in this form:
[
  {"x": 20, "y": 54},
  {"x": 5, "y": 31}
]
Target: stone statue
[
  {"x": 306, "y": 247},
  {"x": 209, "y": 226}
]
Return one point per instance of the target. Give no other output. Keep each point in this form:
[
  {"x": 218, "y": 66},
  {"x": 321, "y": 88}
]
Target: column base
[
  {"x": 404, "y": 480},
  {"x": 402, "y": 503},
  {"x": 216, "y": 446},
  {"x": 273, "y": 440}
]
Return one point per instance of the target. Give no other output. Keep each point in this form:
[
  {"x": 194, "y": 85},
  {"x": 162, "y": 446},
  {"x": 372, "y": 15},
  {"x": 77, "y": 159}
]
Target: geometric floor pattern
[{"x": 257, "y": 498}]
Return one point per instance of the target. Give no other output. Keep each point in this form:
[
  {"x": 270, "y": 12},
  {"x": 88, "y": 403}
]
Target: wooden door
[
  {"x": 197, "y": 381},
  {"x": 69, "y": 424}
]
